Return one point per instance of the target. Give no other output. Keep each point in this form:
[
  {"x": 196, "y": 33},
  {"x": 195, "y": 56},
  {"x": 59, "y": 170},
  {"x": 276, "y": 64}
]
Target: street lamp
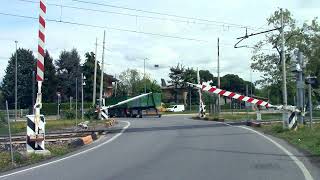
[
  {"x": 58, "y": 112},
  {"x": 82, "y": 84}
]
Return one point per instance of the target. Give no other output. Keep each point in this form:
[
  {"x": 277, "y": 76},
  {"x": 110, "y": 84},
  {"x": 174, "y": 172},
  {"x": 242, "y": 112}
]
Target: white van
[{"x": 176, "y": 108}]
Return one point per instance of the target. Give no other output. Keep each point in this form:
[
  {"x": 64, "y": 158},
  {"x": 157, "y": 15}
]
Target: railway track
[{"x": 55, "y": 136}]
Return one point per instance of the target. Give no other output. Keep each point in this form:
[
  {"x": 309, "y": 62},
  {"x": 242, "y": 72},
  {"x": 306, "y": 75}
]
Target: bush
[
  {"x": 3, "y": 117},
  {"x": 69, "y": 114},
  {"x": 91, "y": 114},
  {"x": 52, "y": 108}
]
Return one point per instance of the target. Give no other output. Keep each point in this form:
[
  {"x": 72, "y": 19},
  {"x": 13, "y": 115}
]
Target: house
[
  {"x": 109, "y": 82},
  {"x": 178, "y": 94}
]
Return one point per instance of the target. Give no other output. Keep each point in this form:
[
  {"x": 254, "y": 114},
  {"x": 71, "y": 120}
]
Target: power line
[
  {"x": 139, "y": 16},
  {"x": 164, "y": 14},
  {"x": 106, "y": 27}
]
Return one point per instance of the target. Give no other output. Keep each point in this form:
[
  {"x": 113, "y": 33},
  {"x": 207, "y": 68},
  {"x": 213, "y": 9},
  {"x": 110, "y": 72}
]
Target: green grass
[
  {"x": 22, "y": 160},
  {"x": 244, "y": 117},
  {"x": 20, "y": 127},
  {"x": 304, "y": 138}
]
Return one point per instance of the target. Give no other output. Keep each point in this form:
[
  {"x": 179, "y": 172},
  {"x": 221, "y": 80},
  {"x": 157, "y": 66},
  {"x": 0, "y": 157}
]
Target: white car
[{"x": 176, "y": 108}]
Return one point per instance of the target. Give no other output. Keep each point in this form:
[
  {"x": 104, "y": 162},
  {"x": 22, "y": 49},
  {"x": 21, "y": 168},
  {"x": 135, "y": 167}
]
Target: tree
[
  {"x": 50, "y": 80},
  {"x": 131, "y": 83},
  {"x": 232, "y": 82},
  {"x": 68, "y": 69},
  {"x": 304, "y": 38},
  {"x": 88, "y": 72},
  {"x": 176, "y": 76},
  {"x": 26, "y": 64},
  {"x": 129, "y": 80}
]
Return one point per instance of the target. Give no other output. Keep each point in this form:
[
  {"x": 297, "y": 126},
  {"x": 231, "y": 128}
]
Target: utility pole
[
  {"x": 190, "y": 98},
  {"x": 70, "y": 103},
  {"x": 283, "y": 60},
  {"x": 58, "y": 109},
  {"x": 300, "y": 87},
  {"x": 11, "y": 150},
  {"x": 310, "y": 104},
  {"x": 33, "y": 89},
  {"x": 144, "y": 75},
  {"x": 16, "y": 84},
  {"x": 310, "y": 81},
  {"x": 251, "y": 82},
  {"x": 218, "y": 70},
  {"x": 102, "y": 68},
  {"x": 82, "y": 84},
  {"x": 95, "y": 76},
  {"x": 76, "y": 101}
]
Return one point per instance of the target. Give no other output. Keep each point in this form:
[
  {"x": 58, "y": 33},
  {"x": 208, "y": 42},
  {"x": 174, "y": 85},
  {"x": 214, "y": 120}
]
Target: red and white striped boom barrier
[
  {"x": 215, "y": 90},
  {"x": 292, "y": 121}
]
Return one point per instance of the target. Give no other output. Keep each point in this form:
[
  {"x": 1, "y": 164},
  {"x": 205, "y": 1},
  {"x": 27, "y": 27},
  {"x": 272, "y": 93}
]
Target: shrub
[
  {"x": 69, "y": 114},
  {"x": 91, "y": 114}
]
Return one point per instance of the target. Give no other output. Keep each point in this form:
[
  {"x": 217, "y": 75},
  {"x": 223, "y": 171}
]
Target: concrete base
[{"x": 41, "y": 152}]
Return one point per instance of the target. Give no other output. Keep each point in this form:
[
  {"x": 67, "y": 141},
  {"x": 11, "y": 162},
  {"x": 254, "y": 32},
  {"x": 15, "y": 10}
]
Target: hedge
[{"x": 51, "y": 108}]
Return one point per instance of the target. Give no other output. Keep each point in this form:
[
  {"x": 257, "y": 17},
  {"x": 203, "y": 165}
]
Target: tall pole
[
  {"x": 16, "y": 84},
  {"x": 101, "y": 79},
  {"x": 58, "y": 111},
  {"x": 300, "y": 89},
  {"x": 251, "y": 82},
  {"x": 70, "y": 103},
  {"x": 11, "y": 150},
  {"x": 144, "y": 75},
  {"x": 310, "y": 104},
  {"x": 82, "y": 96},
  {"x": 190, "y": 98},
  {"x": 95, "y": 76},
  {"x": 218, "y": 69},
  {"x": 33, "y": 88},
  {"x": 283, "y": 60},
  {"x": 76, "y": 101}
]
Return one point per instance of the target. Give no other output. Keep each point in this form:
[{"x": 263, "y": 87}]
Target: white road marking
[
  {"x": 300, "y": 164},
  {"x": 71, "y": 156}
]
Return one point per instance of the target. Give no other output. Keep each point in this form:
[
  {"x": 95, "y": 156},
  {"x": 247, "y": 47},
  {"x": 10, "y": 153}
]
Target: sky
[{"x": 196, "y": 46}]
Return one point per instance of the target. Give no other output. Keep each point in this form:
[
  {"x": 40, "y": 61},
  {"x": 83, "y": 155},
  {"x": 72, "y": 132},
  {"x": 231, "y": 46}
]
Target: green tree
[
  {"x": 50, "y": 80},
  {"x": 176, "y": 75},
  {"x": 88, "y": 72},
  {"x": 232, "y": 82},
  {"x": 26, "y": 64},
  {"x": 68, "y": 69},
  {"x": 304, "y": 38},
  {"x": 131, "y": 83}
]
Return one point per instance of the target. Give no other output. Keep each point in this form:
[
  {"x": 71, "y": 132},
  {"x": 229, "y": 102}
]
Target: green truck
[{"x": 145, "y": 106}]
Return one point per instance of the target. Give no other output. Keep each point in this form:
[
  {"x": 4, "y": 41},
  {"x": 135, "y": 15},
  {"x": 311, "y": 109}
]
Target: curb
[{"x": 90, "y": 138}]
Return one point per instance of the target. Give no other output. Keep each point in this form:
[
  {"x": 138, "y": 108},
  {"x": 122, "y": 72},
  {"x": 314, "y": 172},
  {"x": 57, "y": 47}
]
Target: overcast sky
[{"x": 128, "y": 49}]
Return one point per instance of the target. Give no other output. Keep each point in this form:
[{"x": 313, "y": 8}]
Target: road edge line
[
  {"x": 73, "y": 155},
  {"x": 300, "y": 164}
]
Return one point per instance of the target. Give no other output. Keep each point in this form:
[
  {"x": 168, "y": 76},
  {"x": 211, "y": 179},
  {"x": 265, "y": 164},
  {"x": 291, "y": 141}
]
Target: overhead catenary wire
[
  {"x": 106, "y": 27},
  {"x": 164, "y": 14},
  {"x": 190, "y": 21}
]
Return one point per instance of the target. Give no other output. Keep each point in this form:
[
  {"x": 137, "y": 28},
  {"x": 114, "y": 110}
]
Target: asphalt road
[{"x": 176, "y": 148}]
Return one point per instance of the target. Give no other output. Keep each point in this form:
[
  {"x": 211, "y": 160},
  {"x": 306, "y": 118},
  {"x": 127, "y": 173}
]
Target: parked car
[{"x": 176, "y": 108}]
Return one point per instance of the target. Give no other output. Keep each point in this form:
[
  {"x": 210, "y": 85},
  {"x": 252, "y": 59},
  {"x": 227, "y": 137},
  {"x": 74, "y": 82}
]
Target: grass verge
[
  {"x": 23, "y": 160},
  {"x": 243, "y": 117},
  {"x": 303, "y": 138},
  {"x": 52, "y": 125}
]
